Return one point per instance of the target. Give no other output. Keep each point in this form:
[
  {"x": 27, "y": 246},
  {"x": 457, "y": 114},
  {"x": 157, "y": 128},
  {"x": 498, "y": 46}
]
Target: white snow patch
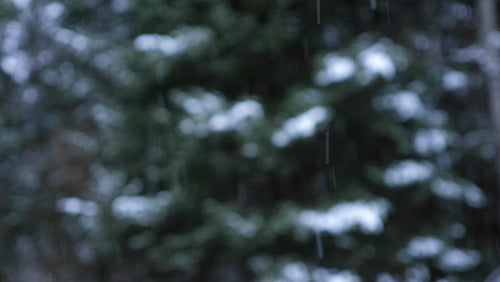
[
  {"x": 336, "y": 69},
  {"x": 189, "y": 126},
  {"x": 77, "y": 206},
  {"x": 107, "y": 182},
  {"x": 472, "y": 53},
  {"x": 407, "y": 172},
  {"x": 81, "y": 139},
  {"x": 141, "y": 210},
  {"x": 296, "y": 272},
  {"x": 193, "y": 106},
  {"x": 454, "y": 80},
  {"x": 280, "y": 139},
  {"x": 407, "y": 104},
  {"x": 17, "y": 65},
  {"x": 304, "y": 124},
  {"x": 236, "y": 117},
  {"x": 488, "y": 151},
  {"x": 220, "y": 122},
  {"x": 69, "y": 37},
  {"x": 53, "y": 10},
  {"x": 207, "y": 114},
  {"x": 106, "y": 116},
  {"x": 301, "y": 126},
  {"x": 447, "y": 189},
  {"x": 21, "y": 4},
  {"x": 245, "y": 109},
  {"x": 182, "y": 40},
  {"x": 206, "y": 104},
  {"x": 461, "y": 11},
  {"x": 345, "y": 216},
  {"x": 474, "y": 196},
  {"x": 376, "y": 61},
  {"x": 243, "y": 226},
  {"x": 470, "y": 193},
  {"x": 493, "y": 38},
  {"x": 325, "y": 275},
  {"x": 417, "y": 273},
  {"x": 456, "y": 259},
  {"x": 430, "y": 140},
  {"x": 421, "y": 41},
  {"x": 13, "y": 35},
  {"x": 424, "y": 247}
]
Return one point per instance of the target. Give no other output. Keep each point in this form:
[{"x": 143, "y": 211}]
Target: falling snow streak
[
  {"x": 319, "y": 245},
  {"x": 373, "y": 4},
  {"x": 318, "y": 12},
  {"x": 331, "y": 178}
]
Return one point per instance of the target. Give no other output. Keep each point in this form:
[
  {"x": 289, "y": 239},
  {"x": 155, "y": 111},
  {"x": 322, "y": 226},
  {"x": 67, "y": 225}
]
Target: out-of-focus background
[{"x": 236, "y": 140}]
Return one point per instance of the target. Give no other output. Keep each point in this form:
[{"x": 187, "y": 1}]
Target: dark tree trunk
[{"x": 490, "y": 64}]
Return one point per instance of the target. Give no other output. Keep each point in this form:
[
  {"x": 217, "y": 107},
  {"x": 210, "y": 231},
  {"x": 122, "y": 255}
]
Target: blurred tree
[
  {"x": 487, "y": 37},
  {"x": 185, "y": 141}
]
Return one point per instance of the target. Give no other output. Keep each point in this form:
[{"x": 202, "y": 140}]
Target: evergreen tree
[{"x": 245, "y": 141}]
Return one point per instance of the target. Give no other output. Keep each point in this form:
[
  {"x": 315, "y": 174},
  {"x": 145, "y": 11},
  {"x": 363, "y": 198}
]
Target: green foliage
[{"x": 195, "y": 131}]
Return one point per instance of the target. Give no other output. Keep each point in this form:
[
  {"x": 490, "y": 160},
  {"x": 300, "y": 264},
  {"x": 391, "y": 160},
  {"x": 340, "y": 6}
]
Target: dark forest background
[{"x": 236, "y": 140}]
